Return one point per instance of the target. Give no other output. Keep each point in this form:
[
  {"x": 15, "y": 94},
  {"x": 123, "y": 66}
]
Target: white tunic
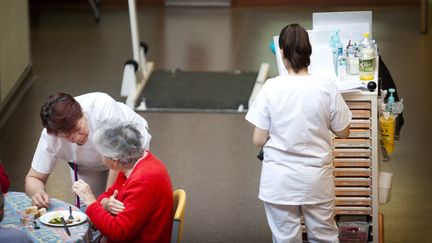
[
  {"x": 298, "y": 112},
  {"x": 98, "y": 107}
]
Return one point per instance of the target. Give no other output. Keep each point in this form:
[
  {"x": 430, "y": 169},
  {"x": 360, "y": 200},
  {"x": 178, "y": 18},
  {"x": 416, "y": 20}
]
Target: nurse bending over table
[
  {"x": 293, "y": 115},
  {"x": 138, "y": 207},
  {"x": 68, "y": 122}
]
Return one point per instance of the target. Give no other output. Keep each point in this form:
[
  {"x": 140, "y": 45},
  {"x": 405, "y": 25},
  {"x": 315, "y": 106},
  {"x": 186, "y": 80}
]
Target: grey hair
[{"x": 121, "y": 141}]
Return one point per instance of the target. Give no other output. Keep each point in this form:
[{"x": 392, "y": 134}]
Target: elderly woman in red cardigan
[{"x": 138, "y": 207}]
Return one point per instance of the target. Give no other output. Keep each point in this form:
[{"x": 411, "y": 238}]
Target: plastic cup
[
  {"x": 385, "y": 180},
  {"x": 384, "y": 195}
]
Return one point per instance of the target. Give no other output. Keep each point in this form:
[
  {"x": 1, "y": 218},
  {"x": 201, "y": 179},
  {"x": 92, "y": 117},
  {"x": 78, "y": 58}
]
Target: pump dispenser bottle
[{"x": 390, "y": 101}]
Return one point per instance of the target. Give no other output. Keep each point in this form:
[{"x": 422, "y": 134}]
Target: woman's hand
[
  {"x": 84, "y": 191},
  {"x": 112, "y": 205},
  {"x": 41, "y": 199}
]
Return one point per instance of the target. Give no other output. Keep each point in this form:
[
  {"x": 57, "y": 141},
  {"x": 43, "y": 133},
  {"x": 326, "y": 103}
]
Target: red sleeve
[
  {"x": 4, "y": 179},
  {"x": 116, "y": 186},
  {"x": 138, "y": 205}
]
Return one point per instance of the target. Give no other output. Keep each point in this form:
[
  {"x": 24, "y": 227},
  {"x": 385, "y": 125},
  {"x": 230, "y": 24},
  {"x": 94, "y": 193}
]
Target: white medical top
[
  {"x": 298, "y": 112},
  {"x": 98, "y": 107}
]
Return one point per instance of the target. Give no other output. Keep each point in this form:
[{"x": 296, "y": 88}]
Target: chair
[{"x": 179, "y": 208}]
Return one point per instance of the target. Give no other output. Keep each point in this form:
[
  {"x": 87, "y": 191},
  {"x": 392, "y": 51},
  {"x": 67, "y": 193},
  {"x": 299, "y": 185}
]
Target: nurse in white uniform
[
  {"x": 294, "y": 116},
  {"x": 67, "y": 137}
]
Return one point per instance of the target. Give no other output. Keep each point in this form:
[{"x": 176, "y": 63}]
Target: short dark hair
[
  {"x": 60, "y": 114},
  {"x": 294, "y": 41}
]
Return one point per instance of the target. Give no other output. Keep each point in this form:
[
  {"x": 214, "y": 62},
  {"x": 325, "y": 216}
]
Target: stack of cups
[{"x": 385, "y": 184}]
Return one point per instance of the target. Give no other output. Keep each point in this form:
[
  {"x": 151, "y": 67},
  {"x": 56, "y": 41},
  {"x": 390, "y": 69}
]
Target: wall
[{"x": 14, "y": 45}]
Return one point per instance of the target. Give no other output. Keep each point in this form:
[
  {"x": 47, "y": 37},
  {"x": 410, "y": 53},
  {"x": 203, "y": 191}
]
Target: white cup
[
  {"x": 385, "y": 184},
  {"x": 385, "y": 180},
  {"x": 384, "y": 195}
]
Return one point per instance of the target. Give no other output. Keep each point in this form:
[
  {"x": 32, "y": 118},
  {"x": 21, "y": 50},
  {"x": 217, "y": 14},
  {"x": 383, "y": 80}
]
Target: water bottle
[
  {"x": 334, "y": 52},
  {"x": 367, "y": 58},
  {"x": 338, "y": 44},
  {"x": 338, "y": 51}
]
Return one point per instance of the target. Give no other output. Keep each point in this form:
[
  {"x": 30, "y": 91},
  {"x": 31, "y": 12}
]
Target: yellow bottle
[{"x": 387, "y": 128}]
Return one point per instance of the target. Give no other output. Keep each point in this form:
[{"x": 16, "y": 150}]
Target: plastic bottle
[
  {"x": 390, "y": 102},
  {"x": 367, "y": 58},
  {"x": 338, "y": 44},
  {"x": 387, "y": 131},
  {"x": 338, "y": 51},
  {"x": 334, "y": 52},
  {"x": 341, "y": 68},
  {"x": 351, "y": 59}
]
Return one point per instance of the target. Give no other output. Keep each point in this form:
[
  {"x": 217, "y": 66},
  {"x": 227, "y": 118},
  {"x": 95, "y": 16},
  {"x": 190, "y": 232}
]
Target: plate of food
[{"x": 54, "y": 218}]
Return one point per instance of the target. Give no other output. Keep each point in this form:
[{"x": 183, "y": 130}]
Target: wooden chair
[{"x": 179, "y": 209}]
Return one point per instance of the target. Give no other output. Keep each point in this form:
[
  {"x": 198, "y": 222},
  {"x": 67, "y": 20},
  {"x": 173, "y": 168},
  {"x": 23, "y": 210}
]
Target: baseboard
[
  {"x": 17, "y": 92},
  {"x": 328, "y": 3}
]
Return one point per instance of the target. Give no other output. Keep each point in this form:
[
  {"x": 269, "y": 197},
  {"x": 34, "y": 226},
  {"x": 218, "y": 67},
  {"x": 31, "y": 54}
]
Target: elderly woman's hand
[
  {"x": 84, "y": 191},
  {"x": 113, "y": 205}
]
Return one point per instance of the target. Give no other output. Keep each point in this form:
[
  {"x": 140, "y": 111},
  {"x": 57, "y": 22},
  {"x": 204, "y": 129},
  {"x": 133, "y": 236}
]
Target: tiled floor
[{"x": 211, "y": 154}]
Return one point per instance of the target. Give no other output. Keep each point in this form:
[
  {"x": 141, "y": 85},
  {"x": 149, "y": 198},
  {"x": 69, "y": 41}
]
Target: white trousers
[{"x": 285, "y": 222}]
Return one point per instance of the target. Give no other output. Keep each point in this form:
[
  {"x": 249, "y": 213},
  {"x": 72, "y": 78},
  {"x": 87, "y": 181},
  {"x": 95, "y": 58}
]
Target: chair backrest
[{"x": 179, "y": 209}]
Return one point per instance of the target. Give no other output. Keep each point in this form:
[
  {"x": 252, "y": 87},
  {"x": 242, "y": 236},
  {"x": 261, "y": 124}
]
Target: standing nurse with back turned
[{"x": 294, "y": 116}]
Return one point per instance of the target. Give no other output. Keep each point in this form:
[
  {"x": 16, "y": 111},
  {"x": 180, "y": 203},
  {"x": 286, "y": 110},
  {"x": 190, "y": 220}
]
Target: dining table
[{"x": 15, "y": 204}]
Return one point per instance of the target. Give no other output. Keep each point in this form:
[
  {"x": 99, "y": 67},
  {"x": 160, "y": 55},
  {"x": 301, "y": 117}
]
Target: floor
[{"x": 210, "y": 155}]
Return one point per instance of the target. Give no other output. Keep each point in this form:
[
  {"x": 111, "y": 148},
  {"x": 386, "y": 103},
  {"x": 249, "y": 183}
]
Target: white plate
[{"x": 79, "y": 217}]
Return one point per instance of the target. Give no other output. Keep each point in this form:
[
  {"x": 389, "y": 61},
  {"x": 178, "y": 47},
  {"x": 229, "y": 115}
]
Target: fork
[{"x": 71, "y": 218}]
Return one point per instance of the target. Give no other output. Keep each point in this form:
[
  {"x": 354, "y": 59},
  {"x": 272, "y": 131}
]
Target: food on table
[
  {"x": 55, "y": 220},
  {"x": 31, "y": 210},
  {"x": 42, "y": 211},
  {"x": 25, "y": 219}
]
